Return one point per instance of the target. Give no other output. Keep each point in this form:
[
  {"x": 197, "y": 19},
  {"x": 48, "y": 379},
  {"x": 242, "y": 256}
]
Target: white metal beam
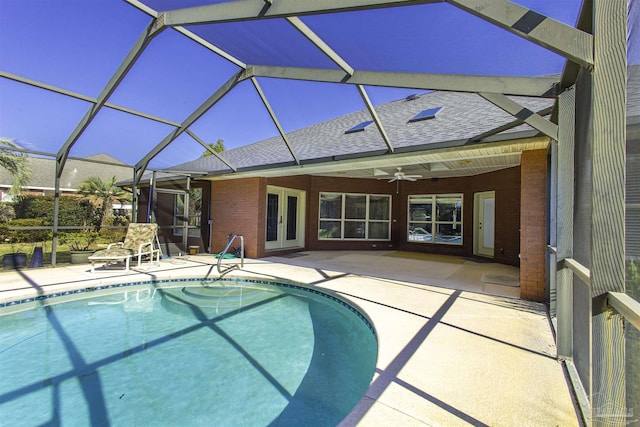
[
  {"x": 374, "y": 116},
  {"x": 518, "y": 111},
  {"x": 578, "y": 269},
  {"x": 273, "y": 116},
  {"x": 524, "y": 86},
  {"x": 626, "y": 306},
  {"x": 244, "y": 10},
  {"x": 556, "y": 36},
  {"x": 82, "y": 97},
  {"x": 189, "y": 34},
  {"x": 143, "y": 41},
  {"x": 340, "y": 62},
  {"x": 199, "y": 112},
  {"x": 212, "y": 151},
  {"x": 320, "y": 44},
  {"x": 505, "y": 127}
]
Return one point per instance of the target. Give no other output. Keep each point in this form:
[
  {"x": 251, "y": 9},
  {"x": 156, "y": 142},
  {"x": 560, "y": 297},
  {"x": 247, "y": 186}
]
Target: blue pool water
[{"x": 230, "y": 353}]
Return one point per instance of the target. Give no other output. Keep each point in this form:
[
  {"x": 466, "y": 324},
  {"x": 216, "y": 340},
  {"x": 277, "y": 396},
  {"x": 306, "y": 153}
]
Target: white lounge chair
[{"x": 141, "y": 241}]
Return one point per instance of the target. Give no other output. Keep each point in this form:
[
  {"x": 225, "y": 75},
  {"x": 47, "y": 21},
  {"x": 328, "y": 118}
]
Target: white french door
[{"x": 285, "y": 218}]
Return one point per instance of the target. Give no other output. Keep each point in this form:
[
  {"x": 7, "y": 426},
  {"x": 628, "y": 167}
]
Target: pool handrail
[{"x": 221, "y": 255}]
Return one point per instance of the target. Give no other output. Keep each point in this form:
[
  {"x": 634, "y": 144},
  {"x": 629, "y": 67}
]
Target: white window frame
[
  {"x": 195, "y": 216},
  {"x": 343, "y": 220},
  {"x": 433, "y": 220}
]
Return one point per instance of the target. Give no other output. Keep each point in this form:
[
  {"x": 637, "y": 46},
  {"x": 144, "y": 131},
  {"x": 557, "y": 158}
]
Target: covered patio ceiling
[
  {"x": 428, "y": 164},
  {"x": 202, "y": 70}
]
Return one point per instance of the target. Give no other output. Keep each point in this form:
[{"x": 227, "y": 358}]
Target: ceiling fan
[{"x": 401, "y": 176}]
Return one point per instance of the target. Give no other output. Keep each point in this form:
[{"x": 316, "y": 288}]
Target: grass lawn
[{"x": 63, "y": 254}]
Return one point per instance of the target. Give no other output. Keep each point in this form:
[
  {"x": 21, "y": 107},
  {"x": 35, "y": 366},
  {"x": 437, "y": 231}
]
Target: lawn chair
[{"x": 140, "y": 242}]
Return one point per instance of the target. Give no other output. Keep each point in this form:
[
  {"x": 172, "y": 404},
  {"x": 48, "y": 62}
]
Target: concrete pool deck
[{"x": 454, "y": 348}]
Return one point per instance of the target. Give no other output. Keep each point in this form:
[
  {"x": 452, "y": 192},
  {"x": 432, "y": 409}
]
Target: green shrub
[
  {"x": 24, "y": 236},
  {"x": 72, "y": 210},
  {"x": 114, "y": 234},
  {"x": 79, "y": 241},
  {"x": 6, "y": 212}
]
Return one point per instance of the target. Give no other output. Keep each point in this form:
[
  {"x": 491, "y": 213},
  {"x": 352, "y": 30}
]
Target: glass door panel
[
  {"x": 285, "y": 218},
  {"x": 273, "y": 209},
  {"x": 292, "y": 218}
]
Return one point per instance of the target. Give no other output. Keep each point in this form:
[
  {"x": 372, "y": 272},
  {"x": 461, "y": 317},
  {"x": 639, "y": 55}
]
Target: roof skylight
[
  {"x": 425, "y": 114},
  {"x": 360, "y": 127}
]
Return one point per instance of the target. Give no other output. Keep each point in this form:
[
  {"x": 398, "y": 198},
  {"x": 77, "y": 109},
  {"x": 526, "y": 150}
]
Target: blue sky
[{"x": 78, "y": 44}]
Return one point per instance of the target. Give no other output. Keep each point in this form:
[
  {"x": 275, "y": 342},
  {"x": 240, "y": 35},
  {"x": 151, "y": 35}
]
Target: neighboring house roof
[{"x": 74, "y": 174}]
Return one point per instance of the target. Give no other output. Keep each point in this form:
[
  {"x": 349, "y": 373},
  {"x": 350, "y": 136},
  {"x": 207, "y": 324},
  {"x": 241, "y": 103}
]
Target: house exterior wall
[
  {"x": 235, "y": 208},
  {"x": 505, "y": 183},
  {"x": 533, "y": 219},
  {"x": 239, "y": 206},
  {"x": 344, "y": 185}
]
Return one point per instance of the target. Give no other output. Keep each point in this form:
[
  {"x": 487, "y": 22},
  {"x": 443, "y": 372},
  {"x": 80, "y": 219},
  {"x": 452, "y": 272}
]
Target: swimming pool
[{"x": 188, "y": 353}]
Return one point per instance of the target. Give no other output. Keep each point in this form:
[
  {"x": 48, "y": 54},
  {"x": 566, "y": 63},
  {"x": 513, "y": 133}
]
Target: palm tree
[
  {"x": 104, "y": 192},
  {"x": 16, "y": 162}
]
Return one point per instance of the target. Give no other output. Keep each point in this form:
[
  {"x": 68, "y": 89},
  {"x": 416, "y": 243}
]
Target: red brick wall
[
  {"x": 440, "y": 186},
  {"x": 345, "y": 185},
  {"x": 302, "y": 182},
  {"x": 239, "y": 206},
  {"x": 505, "y": 183},
  {"x": 533, "y": 219},
  {"x": 235, "y": 208}
]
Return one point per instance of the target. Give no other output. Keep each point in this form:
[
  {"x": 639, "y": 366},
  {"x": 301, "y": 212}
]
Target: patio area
[{"x": 455, "y": 347}]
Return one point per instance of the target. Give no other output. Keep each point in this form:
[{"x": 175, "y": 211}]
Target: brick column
[
  {"x": 533, "y": 225},
  {"x": 235, "y": 208}
]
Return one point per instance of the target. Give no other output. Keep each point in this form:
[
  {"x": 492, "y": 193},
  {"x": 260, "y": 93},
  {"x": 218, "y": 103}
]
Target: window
[
  {"x": 359, "y": 127},
  {"x": 426, "y": 114},
  {"x": 195, "y": 213},
  {"x": 355, "y": 216},
  {"x": 435, "y": 218}
]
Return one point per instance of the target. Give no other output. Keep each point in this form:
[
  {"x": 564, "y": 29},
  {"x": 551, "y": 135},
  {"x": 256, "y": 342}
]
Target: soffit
[{"x": 436, "y": 163}]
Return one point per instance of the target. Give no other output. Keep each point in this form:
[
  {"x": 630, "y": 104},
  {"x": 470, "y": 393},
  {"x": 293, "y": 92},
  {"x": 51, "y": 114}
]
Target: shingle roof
[
  {"x": 73, "y": 175},
  {"x": 464, "y": 115}
]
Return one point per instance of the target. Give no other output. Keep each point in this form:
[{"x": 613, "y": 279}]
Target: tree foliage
[
  {"x": 16, "y": 163},
  {"x": 103, "y": 194},
  {"x": 6, "y": 212},
  {"x": 218, "y": 147}
]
